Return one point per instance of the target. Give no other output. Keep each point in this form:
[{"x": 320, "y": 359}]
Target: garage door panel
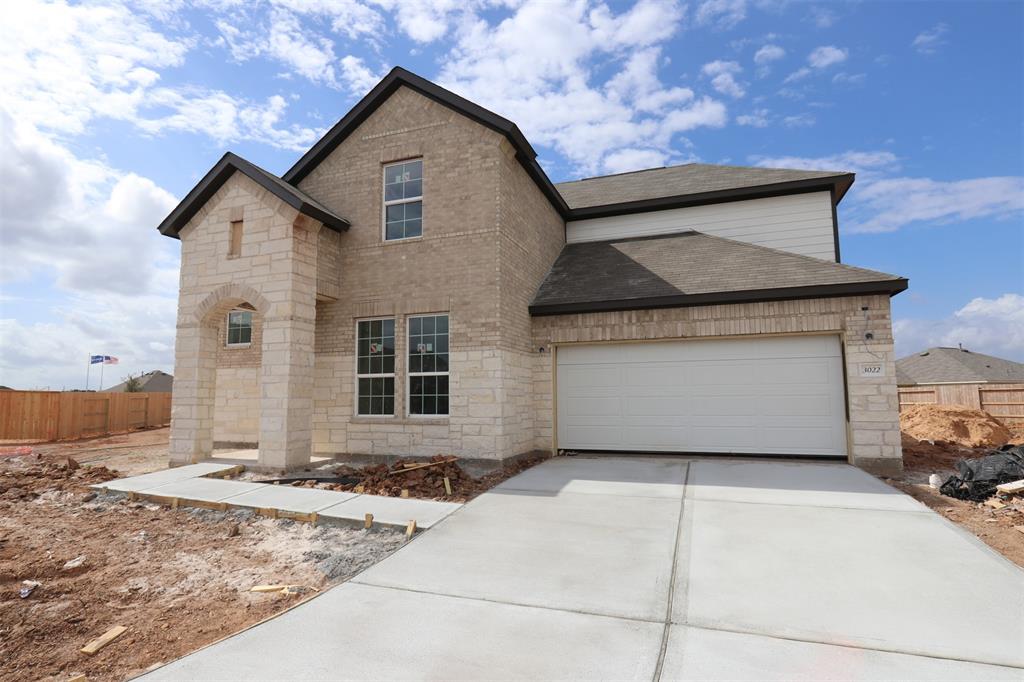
[{"x": 777, "y": 395}]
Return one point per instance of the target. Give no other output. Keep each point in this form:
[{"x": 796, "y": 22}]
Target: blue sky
[{"x": 111, "y": 111}]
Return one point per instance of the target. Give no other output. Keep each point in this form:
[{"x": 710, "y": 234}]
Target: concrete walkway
[
  {"x": 659, "y": 569},
  {"x": 191, "y": 484}
]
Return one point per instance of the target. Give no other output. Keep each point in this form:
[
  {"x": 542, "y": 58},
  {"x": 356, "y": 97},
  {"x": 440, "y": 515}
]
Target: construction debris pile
[
  {"x": 26, "y": 478},
  {"x": 439, "y": 478},
  {"x": 979, "y": 478}
]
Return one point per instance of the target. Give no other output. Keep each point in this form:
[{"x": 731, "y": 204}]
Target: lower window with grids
[
  {"x": 375, "y": 367},
  {"x": 428, "y": 365}
]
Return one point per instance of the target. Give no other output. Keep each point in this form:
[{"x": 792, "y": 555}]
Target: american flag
[{"x": 109, "y": 360}]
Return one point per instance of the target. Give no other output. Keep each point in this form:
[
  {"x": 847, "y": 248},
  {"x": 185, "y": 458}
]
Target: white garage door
[{"x": 779, "y": 395}]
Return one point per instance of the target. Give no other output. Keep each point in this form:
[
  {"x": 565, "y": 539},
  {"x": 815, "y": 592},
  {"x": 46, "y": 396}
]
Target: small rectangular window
[
  {"x": 428, "y": 365},
  {"x": 239, "y": 328},
  {"x": 235, "y": 247},
  {"x": 403, "y": 200},
  {"x": 375, "y": 367}
]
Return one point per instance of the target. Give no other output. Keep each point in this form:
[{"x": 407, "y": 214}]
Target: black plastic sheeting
[{"x": 979, "y": 477}]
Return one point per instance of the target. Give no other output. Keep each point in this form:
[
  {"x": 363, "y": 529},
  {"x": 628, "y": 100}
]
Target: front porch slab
[{"x": 136, "y": 484}]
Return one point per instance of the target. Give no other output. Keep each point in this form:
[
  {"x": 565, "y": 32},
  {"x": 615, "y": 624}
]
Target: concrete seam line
[
  {"x": 545, "y": 493},
  {"x": 517, "y": 604},
  {"x": 857, "y": 647},
  {"x": 672, "y": 579},
  {"x": 925, "y": 511}
]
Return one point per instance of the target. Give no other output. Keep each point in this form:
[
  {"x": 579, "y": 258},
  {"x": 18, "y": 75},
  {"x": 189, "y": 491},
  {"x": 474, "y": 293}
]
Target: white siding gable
[{"x": 799, "y": 223}]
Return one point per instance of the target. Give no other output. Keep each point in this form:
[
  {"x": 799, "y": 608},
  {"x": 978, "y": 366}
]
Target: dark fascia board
[
  {"x": 890, "y": 287},
  {"x": 218, "y": 175},
  {"x": 837, "y": 184},
  {"x": 395, "y": 79}
]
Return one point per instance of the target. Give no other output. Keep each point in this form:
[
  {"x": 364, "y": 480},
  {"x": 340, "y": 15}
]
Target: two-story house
[{"x": 415, "y": 284}]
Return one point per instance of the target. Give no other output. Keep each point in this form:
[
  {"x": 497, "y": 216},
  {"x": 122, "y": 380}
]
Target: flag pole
[
  {"x": 100, "y": 387},
  {"x": 87, "y": 368}
]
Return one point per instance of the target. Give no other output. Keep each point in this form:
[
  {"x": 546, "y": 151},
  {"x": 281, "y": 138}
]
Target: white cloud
[
  {"x": 849, "y": 78},
  {"x": 625, "y": 160},
  {"x": 994, "y": 326},
  {"x": 722, "y": 75},
  {"x": 721, "y": 14},
  {"x": 756, "y": 119},
  {"x": 882, "y": 202},
  {"x": 799, "y": 121},
  {"x": 827, "y": 55},
  {"x": 897, "y": 202},
  {"x": 540, "y": 65},
  {"x": 359, "y": 77},
  {"x": 91, "y": 227},
  {"x": 929, "y": 42},
  {"x": 799, "y": 74},
  {"x": 822, "y": 17},
  {"x": 767, "y": 54}
]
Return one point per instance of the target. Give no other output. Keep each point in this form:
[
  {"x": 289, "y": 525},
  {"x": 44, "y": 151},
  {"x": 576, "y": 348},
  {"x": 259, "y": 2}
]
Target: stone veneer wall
[
  {"x": 873, "y": 433},
  {"x": 453, "y": 268},
  {"x": 276, "y": 274}
]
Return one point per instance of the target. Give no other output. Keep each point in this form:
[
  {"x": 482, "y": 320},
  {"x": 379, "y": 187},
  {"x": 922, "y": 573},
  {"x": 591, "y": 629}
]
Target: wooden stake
[
  {"x": 267, "y": 588},
  {"x": 174, "y": 503},
  {"x": 368, "y": 522},
  {"x": 103, "y": 640},
  {"x": 447, "y": 486},
  {"x": 410, "y": 529},
  {"x": 405, "y": 492}
]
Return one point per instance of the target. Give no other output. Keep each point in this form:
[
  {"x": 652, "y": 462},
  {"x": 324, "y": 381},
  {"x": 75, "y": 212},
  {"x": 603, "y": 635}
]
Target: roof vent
[{"x": 924, "y": 354}]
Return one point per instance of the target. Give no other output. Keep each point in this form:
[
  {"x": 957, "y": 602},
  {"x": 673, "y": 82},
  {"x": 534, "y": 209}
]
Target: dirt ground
[
  {"x": 178, "y": 580},
  {"x": 130, "y": 454},
  {"x": 921, "y": 458}
]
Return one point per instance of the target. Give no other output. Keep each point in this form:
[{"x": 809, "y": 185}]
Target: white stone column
[
  {"x": 286, "y": 386},
  {"x": 192, "y": 399}
]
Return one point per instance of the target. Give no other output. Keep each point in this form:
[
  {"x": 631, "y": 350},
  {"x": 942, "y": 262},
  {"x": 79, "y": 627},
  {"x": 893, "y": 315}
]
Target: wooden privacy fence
[
  {"x": 54, "y": 415},
  {"x": 1005, "y": 402}
]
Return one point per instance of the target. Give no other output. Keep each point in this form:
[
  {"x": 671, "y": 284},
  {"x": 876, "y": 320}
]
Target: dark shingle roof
[
  {"x": 692, "y": 268},
  {"x": 947, "y": 365},
  {"x": 688, "y": 179},
  {"x": 224, "y": 169}
]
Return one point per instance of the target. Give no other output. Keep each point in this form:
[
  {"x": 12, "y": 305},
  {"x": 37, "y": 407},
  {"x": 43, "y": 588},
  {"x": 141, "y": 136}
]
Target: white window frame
[
  {"x": 358, "y": 376},
  {"x": 395, "y": 202},
  {"x": 227, "y": 329},
  {"x": 409, "y": 374}
]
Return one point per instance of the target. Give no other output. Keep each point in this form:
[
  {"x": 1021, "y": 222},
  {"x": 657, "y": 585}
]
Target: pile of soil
[
  {"x": 419, "y": 481},
  {"x": 26, "y": 478},
  {"x": 953, "y": 424},
  {"x": 178, "y": 580}
]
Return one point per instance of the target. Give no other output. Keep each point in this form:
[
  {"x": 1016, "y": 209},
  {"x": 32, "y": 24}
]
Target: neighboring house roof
[
  {"x": 692, "y": 268},
  {"x": 150, "y": 382},
  {"x": 224, "y": 169},
  {"x": 956, "y": 365},
  {"x": 691, "y": 183},
  {"x": 398, "y": 77}
]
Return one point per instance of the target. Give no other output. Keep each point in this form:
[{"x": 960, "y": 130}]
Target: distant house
[
  {"x": 957, "y": 376},
  {"x": 956, "y": 366},
  {"x": 150, "y": 382}
]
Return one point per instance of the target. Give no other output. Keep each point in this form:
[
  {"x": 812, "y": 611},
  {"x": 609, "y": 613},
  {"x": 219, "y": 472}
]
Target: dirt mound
[
  {"x": 953, "y": 424},
  {"x": 29, "y": 477}
]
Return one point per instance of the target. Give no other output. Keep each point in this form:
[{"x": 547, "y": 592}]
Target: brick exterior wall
[
  {"x": 479, "y": 207},
  {"x": 873, "y": 435}
]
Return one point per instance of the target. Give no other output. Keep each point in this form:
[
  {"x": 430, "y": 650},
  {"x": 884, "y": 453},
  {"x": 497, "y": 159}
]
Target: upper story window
[
  {"x": 239, "y": 328},
  {"x": 403, "y": 200}
]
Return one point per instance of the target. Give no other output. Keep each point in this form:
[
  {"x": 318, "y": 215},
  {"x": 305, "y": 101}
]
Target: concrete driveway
[{"x": 658, "y": 568}]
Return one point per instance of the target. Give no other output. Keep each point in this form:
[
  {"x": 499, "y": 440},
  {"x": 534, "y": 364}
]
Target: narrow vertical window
[
  {"x": 375, "y": 367},
  {"x": 235, "y": 247},
  {"x": 239, "y": 328},
  {"x": 428, "y": 365},
  {"x": 403, "y": 200}
]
